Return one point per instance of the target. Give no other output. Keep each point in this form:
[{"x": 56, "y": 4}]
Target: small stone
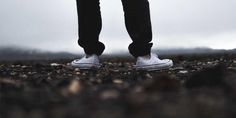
[
  {"x": 210, "y": 63},
  {"x": 18, "y": 66},
  {"x": 148, "y": 76},
  {"x": 54, "y": 64},
  {"x": 77, "y": 69},
  {"x": 138, "y": 89},
  {"x": 13, "y": 73},
  {"x": 117, "y": 81},
  {"x": 99, "y": 81},
  {"x": 232, "y": 68},
  {"x": 109, "y": 94},
  {"x": 49, "y": 78},
  {"x": 183, "y": 72},
  {"x": 77, "y": 73},
  {"x": 23, "y": 67},
  {"x": 234, "y": 61},
  {"x": 74, "y": 87},
  {"x": 109, "y": 63},
  {"x": 116, "y": 70},
  {"x": 24, "y": 76},
  {"x": 199, "y": 63}
]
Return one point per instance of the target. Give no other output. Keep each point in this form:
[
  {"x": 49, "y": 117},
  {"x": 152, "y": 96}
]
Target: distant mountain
[
  {"x": 9, "y": 53},
  {"x": 186, "y": 51},
  {"x": 31, "y": 54}
]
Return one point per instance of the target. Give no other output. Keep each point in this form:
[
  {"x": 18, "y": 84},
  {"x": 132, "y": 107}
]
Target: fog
[{"x": 51, "y": 25}]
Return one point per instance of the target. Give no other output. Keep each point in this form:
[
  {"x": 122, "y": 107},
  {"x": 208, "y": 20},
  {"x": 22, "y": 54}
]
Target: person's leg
[
  {"x": 138, "y": 24},
  {"x": 89, "y": 17}
]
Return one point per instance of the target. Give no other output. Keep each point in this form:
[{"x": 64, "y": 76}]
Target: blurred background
[{"x": 51, "y": 25}]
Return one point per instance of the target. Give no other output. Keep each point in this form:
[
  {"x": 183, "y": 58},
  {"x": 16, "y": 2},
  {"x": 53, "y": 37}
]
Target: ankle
[{"x": 89, "y": 55}]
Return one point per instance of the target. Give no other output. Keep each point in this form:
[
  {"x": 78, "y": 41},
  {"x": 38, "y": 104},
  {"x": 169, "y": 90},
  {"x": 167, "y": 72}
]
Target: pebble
[
  {"x": 116, "y": 70},
  {"x": 23, "y": 67},
  {"x": 109, "y": 63},
  {"x": 23, "y": 76},
  {"x": 138, "y": 89},
  {"x": 13, "y": 73},
  {"x": 210, "y": 63},
  {"x": 49, "y": 78},
  {"x": 54, "y": 64},
  {"x": 234, "y": 63},
  {"x": 77, "y": 69},
  {"x": 232, "y": 68},
  {"x": 148, "y": 76},
  {"x": 109, "y": 94},
  {"x": 199, "y": 63},
  {"x": 99, "y": 81},
  {"x": 18, "y": 66},
  {"x": 183, "y": 72},
  {"x": 74, "y": 87},
  {"x": 117, "y": 81},
  {"x": 77, "y": 73}
]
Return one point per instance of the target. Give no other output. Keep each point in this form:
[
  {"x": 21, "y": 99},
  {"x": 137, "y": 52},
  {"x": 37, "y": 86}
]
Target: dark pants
[{"x": 137, "y": 20}]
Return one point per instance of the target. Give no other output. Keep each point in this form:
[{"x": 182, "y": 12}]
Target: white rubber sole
[{"x": 154, "y": 67}]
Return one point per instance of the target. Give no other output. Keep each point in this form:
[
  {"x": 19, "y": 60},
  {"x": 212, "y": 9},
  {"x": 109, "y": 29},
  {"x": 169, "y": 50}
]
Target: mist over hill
[{"x": 10, "y": 53}]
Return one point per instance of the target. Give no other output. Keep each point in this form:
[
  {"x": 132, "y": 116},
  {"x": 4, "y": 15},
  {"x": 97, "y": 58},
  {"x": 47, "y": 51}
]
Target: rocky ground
[{"x": 196, "y": 87}]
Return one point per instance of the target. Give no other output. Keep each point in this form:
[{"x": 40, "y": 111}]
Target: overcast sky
[{"x": 52, "y": 24}]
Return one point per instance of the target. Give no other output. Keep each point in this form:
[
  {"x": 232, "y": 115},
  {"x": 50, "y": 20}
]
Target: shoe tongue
[
  {"x": 87, "y": 56},
  {"x": 145, "y": 57},
  {"x": 154, "y": 54}
]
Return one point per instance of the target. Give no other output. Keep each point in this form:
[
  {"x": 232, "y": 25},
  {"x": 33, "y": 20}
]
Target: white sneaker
[
  {"x": 87, "y": 62},
  {"x": 154, "y": 63}
]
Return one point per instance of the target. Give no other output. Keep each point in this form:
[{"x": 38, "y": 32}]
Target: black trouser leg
[
  {"x": 90, "y": 24},
  {"x": 138, "y": 24}
]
